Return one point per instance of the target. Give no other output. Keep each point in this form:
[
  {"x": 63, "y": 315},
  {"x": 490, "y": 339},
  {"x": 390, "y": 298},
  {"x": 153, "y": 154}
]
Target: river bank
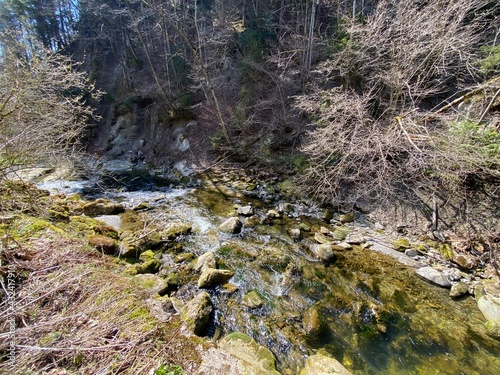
[{"x": 288, "y": 276}]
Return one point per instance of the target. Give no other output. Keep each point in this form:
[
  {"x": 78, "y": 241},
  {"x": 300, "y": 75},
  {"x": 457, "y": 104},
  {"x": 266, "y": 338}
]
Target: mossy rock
[
  {"x": 446, "y": 251},
  {"x": 252, "y": 300},
  {"x": 152, "y": 283},
  {"x": 186, "y": 257},
  {"x": 196, "y": 312},
  {"x": 149, "y": 266},
  {"x": 340, "y": 233},
  {"x": 401, "y": 244},
  {"x": 147, "y": 255},
  {"x": 254, "y": 358}
]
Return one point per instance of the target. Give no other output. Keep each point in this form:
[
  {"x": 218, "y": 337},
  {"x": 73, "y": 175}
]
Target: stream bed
[{"x": 367, "y": 310}]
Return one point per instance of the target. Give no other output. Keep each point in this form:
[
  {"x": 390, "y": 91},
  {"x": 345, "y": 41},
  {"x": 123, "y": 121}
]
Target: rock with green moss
[
  {"x": 254, "y": 358},
  {"x": 322, "y": 364},
  {"x": 340, "y": 233},
  {"x": 321, "y": 238},
  {"x": 186, "y": 257},
  {"x": 401, "y": 244},
  {"x": 446, "y": 251},
  {"x": 211, "y": 277},
  {"x": 273, "y": 257},
  {"x": 149, "y": 266},
  {"x": 459, "y": 290},
  {"x": 146, "y": 255},
  {"x": 196, "y": 312},
  {"x": 347, "y": 218},
  {"x": 324, "y": 252},
  {"x": 327, "y": 215},
  {"x": 152, "y": 283},
  {"x": 252, "y": 300}
]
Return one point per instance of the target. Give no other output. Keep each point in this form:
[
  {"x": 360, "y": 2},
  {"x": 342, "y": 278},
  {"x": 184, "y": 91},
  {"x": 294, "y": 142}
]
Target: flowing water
[{"x": 378, "y": 317}]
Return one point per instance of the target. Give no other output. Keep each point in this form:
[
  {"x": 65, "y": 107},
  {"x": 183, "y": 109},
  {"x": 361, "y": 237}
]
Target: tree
[{"x": 44, "y": 109}]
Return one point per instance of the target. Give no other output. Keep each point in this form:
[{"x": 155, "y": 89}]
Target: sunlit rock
[
  {"x": 196, "y": 312},
  {"x": 254, "y": 358},
  {"x": 232, "y": 225},
  {"x": 320, "y": 364},
  {"x": 434, "y": 276},
  {"x": 212, "y": 277}
]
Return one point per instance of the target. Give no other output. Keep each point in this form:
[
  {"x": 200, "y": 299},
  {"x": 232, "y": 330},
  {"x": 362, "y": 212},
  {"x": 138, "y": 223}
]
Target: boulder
[
  {"x": 232, "y": 225},
  {"x": 101, "y": 207},
  {"x": 212, "y": 277},
  {"x": 254, "y": 358},
  {"x": 152, "y": 283},
  {"x": 490, "y": 307},
  {"x": 246, "y": 211},
  {"x": 252, "y": 300},
  {"x": 196, "y": 312},
  {"x": 434, "y": 276},
  {"x": 321, "y": 364}
]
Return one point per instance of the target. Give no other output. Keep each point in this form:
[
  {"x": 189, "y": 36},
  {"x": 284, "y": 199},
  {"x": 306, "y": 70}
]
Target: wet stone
[
  {"x": 212, "y": 277},
  {"x": 459, "y": 290},
  {"x": 252, "y": 300}
]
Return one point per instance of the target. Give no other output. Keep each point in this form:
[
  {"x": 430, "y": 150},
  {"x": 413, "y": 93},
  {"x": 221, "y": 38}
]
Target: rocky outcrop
[
  {"x": 321, "y": 364},
  {"x": 196, "y": 313},
  {"x": 254, "y": 358}
]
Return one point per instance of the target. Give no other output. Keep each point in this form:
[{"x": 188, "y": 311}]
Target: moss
[
  {"x": 401, "y": 244},
  {"x": 446, "y": 251}
]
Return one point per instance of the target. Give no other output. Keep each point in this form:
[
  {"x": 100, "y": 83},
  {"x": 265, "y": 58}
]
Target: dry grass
[{"x": 77, "y": 314}]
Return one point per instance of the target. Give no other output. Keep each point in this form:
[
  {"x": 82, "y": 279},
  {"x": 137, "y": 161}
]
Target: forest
[{"x": 363, "y": 99}]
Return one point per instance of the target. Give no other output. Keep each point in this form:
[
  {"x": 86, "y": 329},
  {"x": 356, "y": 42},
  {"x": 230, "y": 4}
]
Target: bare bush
[{"x": 378, "y": 134}]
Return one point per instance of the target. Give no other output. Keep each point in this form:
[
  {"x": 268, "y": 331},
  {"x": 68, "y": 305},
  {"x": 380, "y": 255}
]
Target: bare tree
[{"x": 44, "y": 108}]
